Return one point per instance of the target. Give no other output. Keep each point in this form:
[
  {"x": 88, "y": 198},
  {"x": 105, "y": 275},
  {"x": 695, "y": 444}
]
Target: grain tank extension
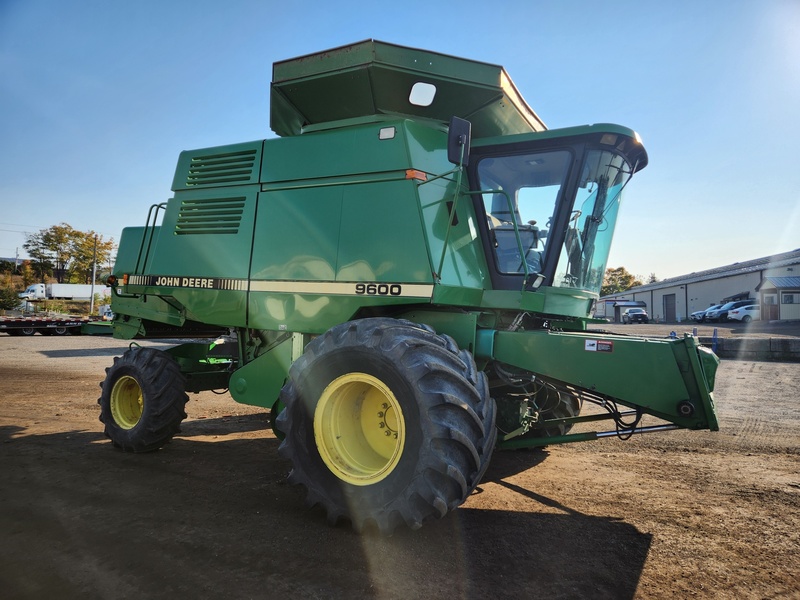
[{"x": 403, "y": 279}]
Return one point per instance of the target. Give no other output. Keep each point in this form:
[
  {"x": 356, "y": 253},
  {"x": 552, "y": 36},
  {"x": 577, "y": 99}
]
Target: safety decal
[{"x": 598, "y": 346}]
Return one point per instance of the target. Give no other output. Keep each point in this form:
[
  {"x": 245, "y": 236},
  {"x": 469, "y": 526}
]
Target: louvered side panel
[
  {"x": 238, "y": 164},
  {"x": 201, "y": 254},
  {"x": 210, "y": 216}
]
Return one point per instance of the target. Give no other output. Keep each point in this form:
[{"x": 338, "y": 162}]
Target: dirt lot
[{"x": 670, "y": 515}]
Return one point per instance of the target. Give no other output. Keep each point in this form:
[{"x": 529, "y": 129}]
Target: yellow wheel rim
[
  {"x": 127, "y": 403},
  {"x": 359, "y": 429}
]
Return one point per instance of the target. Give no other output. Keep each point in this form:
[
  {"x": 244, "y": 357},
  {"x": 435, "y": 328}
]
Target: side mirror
[{"x": 458, "y": 141}]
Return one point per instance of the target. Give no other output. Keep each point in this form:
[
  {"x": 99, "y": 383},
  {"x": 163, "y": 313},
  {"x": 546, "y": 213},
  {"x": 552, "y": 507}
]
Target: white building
[{"x": 773, "y": 280}]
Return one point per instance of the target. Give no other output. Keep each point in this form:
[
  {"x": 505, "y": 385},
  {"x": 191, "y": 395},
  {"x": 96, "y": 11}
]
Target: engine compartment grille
[
  {"x": 231, "y": 167},
  {"x": 210, "y": 216}
]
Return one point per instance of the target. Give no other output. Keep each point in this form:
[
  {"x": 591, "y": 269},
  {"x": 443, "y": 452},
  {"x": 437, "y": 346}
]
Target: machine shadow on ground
[
  {"x": 99, "y": 351},
  {"x": 216, "y": 518}
]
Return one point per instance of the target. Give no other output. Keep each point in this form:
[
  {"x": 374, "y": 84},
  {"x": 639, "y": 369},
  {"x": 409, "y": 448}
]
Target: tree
[
  {"x": 8, "y": 295},
  {"x": 40, "y": 254},
  {"x": 27, "y": 272},
  {"x": 652, "y": 278},
  {"x": 66, "y": 253},
  {"x": 50, "y": 249},
  {"x": 618, "y": 280},
  {"x": 84, "y": 255},
  {"x": 58, "y": 240},
  {"x": 8, "y": 298}
]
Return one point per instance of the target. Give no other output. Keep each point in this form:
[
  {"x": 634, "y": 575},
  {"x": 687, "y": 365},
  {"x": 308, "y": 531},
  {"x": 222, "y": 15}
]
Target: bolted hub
[{"x": 359, "y": 429}]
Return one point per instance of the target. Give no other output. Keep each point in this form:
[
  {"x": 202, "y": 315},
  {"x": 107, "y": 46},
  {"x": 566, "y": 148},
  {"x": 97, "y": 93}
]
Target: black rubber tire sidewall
[
  {"x": 420, "y": 368},
  {"x": 163, "y": 389},
  {"x": 370, "y": 364}
]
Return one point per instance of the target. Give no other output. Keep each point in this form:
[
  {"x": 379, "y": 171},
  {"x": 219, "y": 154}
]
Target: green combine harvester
[{"x": 403, "y": 278}]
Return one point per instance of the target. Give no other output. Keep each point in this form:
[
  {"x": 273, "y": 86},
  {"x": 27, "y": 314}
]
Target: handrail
[{"x": 153, "y": 212}]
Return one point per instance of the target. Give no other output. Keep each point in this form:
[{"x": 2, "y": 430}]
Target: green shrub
[{"x": 8, "y": 298}]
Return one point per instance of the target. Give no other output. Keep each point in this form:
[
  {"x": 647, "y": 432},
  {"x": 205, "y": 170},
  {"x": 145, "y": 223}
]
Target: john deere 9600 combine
[{"x": 404, "y": 279}]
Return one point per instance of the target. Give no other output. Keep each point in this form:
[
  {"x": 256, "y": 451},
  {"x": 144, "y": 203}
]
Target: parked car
[
  {"x": 635, "y": 315},
  {"x": 699, "y": 315},
  {"x": 721, "y": 314},
  {"x": 745, "y": 314}
]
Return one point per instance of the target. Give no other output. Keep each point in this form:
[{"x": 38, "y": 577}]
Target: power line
[
  {"x": 21, "y": 225},
  {"x": 106, "y": 235}
]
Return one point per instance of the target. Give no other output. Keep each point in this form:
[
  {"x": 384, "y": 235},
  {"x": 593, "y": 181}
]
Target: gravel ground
[{"x": 670, "y": 515}]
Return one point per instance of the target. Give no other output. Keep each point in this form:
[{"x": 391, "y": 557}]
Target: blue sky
[{"x": 97, "y": 98}]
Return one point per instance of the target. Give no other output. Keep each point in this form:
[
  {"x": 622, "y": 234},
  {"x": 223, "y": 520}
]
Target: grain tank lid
[{"x": 376, "y": 78}]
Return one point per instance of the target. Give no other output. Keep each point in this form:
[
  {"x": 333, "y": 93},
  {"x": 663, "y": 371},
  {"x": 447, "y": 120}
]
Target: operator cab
[{"x": 551, "y": 201}]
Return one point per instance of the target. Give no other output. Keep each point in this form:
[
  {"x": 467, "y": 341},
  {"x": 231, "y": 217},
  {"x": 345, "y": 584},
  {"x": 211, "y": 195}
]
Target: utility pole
[{"x": 94, "y": 272}]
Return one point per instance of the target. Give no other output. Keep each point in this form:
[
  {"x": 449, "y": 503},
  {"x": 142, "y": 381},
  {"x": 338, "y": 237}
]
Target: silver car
[{"x": 700, "y": 315}]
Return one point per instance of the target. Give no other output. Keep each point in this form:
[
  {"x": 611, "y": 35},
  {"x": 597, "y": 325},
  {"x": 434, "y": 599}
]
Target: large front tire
[
  {"x": 142, "y": 400},
  {"x": 386, "y": 423}
]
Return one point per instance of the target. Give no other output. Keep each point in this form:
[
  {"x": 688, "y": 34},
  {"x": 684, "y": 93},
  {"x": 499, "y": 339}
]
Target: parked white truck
[{"x": 63, "y": 291}]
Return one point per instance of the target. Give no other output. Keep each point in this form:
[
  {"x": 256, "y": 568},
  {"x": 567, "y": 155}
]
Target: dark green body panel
[
  {"x": 259, "y": 382},
  {"x": 339, "y": 218},
  {"x": 373, "y": 78},
  {"x": 616, "y": 366}
]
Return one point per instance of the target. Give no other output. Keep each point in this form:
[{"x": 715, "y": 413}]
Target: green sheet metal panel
[
  {"x": 464, "y": 262},
  {"x": 199, "y": 256},
  {"x": 206, "y": 233},
  {"x": 566, "y": 302},
  {"x": 368, "y": 148},
  {"x": 314, "y": 245},
  {"x": 297, "y": 234},
  {"x": 259, "y": 382},
  {"x": 235, "y": 164},
  {"x": 376, "y": 78},
  {"x": 381, "y": 234},
  {"x": 225, "y": 308},
  {"x": 130, "y": 243},
  {"x": 636, "y": 371}
]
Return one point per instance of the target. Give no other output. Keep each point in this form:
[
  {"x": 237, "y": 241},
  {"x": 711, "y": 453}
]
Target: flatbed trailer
[{"x": 46, "y": 325}]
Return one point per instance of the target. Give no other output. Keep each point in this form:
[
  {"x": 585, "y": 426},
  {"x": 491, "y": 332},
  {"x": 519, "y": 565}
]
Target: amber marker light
[{"x": 414, "y": 174}]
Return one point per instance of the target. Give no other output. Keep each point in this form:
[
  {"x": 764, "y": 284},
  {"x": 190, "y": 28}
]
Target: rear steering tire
[
  {"x": 142, "y": 400},
  {"x": 386, "y": 423}
]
